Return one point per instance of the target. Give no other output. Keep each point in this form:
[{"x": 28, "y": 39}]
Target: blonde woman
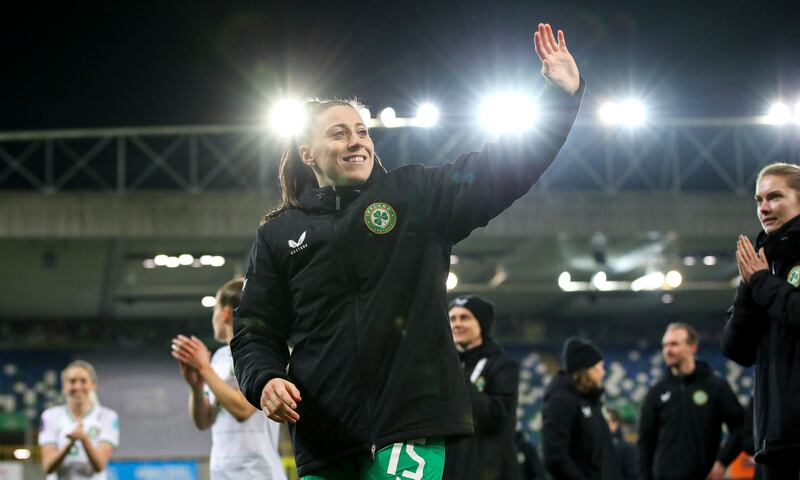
[{"x": 78, "y": 438}]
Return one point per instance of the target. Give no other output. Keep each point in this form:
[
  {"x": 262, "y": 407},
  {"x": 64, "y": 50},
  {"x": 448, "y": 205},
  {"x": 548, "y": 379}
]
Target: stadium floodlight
[
  {"x": 709, "y": 260},
  {"x": 186, "y": 259},
  {"x": 508, "y": 113},
  {"x": 630, "y": 113},
  {"x": 779, "y": 114},
  {"x": 208, "y": 301},
  {"x": 452, "y": 281},
  {"x": 650, "y": 281},
  {"x": 161, "y": 260},
  {"x": 217, "y": 261},
  {"x": 388, "y": 117},
  {"x": 149, "y": 263},
  {"x": 22, "y": 454},
  {"x": 599, "y": 280},
  {"x": 673, "y": 279},
  {"x": 173, "y": 262},
  {"x": 427, "y": 115},
  {"x": 365, "y": 114},
  {"x": 288, "y": 117}
]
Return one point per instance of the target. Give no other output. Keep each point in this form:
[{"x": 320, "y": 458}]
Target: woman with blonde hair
[
  {"x": 762, "y": 327},
  {"x": 78, "y": 438}
]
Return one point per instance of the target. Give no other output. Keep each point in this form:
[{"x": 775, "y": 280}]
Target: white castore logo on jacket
[
  {"x": 665, "y": 396},
  {"x": 587, "y": 411},
  {"x": 298, "y": 245}
]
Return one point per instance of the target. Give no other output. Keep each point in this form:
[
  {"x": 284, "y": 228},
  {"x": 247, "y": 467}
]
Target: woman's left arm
[{"x": 478, "y": 186}]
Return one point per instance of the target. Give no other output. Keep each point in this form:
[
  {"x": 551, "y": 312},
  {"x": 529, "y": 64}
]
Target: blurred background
[{"x": 137, "y": 155}]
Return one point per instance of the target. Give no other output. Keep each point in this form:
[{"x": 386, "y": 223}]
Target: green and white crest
[
  {"x": 380, "y": 218},
  {"x": 793, "y": 276},
  {"x": 700, "y": 397}
]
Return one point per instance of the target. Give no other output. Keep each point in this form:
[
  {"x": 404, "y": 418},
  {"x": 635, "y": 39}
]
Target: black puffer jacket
[
  {"x": 373, "y": 354},
  {"x": 681, "y": 426},
  {"x": 763, "y": 328},
  {"x": 575, "y": 436},
  {"x": 491, "y": 453}
]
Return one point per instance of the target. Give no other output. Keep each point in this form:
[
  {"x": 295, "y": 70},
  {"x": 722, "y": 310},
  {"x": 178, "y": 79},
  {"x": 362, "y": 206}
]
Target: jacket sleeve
[
  {"x": 556, "y": 434},
  {"x": 492, "y": 408},
  {"x": 648, "y": 436},
  {"x": 478, "y": 186},
  {"x": 777, "y": 297},
  {"x": 744, "y": 327},
  {"x": 733, "y": 416},
  {"x": 261, "y": 325}
]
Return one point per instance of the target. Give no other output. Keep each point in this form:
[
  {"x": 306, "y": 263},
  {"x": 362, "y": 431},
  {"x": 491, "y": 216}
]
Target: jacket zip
[{"x": 354, "y": 289}]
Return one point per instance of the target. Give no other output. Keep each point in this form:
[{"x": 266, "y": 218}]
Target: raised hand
[{"x": 558, "y": 66}]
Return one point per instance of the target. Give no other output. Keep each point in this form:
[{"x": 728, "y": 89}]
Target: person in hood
[
  {"x": 680, "y": 426},
  {"x": 763, "y": 324},
  {"x": 350, "y": 271},
  {"x": 492, "y": 379},
  {"x": 576, "y": 440}
]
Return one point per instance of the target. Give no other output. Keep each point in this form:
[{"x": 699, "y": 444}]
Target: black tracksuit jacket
[
  {"x": 680, "y": 426},
  {"x": 575, "y": 436},
  {"x": 373, "y": 355},
  {"x": 490, "y": 454},
  {"x": 763, "y": 328}
]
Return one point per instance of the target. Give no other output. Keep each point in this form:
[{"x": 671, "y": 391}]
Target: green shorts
[{"x": 420, "y": 459}]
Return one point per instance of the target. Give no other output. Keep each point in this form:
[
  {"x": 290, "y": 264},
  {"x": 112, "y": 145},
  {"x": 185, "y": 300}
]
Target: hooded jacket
[
  {"x": 763, "y": 329},
  {"x": 680, "y": 426},
  {"x": 575, "y": 436},
  {"x": 492, "y": 378},
  {"x": 354, "y": 279}
]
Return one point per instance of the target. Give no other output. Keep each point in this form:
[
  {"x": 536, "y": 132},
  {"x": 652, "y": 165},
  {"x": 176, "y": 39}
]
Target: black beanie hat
[
  {"x": 482, "y": 309},
  {"x": 578, "y": 354}
]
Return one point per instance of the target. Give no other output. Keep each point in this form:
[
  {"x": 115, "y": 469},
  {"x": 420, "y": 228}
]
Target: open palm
[{"x": 558, "y": 66}]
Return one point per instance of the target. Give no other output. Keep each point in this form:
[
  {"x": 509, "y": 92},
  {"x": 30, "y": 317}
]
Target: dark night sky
[{"x": 188, "y": 62}]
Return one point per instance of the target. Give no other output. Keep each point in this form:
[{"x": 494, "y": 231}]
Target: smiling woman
[
  {"x": 77, "y": 439},
  {"x": 373, "y": 386}
]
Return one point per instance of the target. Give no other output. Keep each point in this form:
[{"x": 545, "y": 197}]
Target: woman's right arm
[
  {"x": 52, "y": 456},
  {"x": 262, "y": 324}
]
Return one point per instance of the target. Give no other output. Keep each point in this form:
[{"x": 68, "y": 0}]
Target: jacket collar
[
  {"x": 328, "y": 198},
  {"x": 789, "y": 230},
  {"x": 701, "y": 369}
]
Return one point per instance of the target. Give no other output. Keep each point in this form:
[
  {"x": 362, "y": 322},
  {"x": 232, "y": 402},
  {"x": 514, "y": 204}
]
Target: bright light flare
[
  {"x": 630, "y": 113},
  {"x": 22, "y": 454},
  {"x": 650, "y": 281},
  {"x": 388, "y": 117},
  {"x": 779, "y": 114},
  {"x": 365, "y": 114},
  {"x": 288, "y": 117},
  {"x": 427, "y": 115},
  {"x": 508, "y": 113},
  {"x": 673, "y": 279},
  {"x": 452, "y": 281},
  {"x": 208, "y": 301}
]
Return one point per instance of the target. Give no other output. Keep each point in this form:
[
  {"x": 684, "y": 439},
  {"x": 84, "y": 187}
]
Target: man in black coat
[
  {"x": 575, "y": 436},
  {"x": 492, "y": 378},
  {"x": 682, "y": 415}
]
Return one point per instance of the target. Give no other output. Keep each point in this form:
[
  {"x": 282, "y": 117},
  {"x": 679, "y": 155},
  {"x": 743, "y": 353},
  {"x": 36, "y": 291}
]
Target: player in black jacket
[
  {"x": 682, "y": 415},
  {"x": 576, "y": 440},
  {"x": 492, "y": 378},
  {"x": 351, "y": 269},
  {"x": 763, "y": 325}
]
